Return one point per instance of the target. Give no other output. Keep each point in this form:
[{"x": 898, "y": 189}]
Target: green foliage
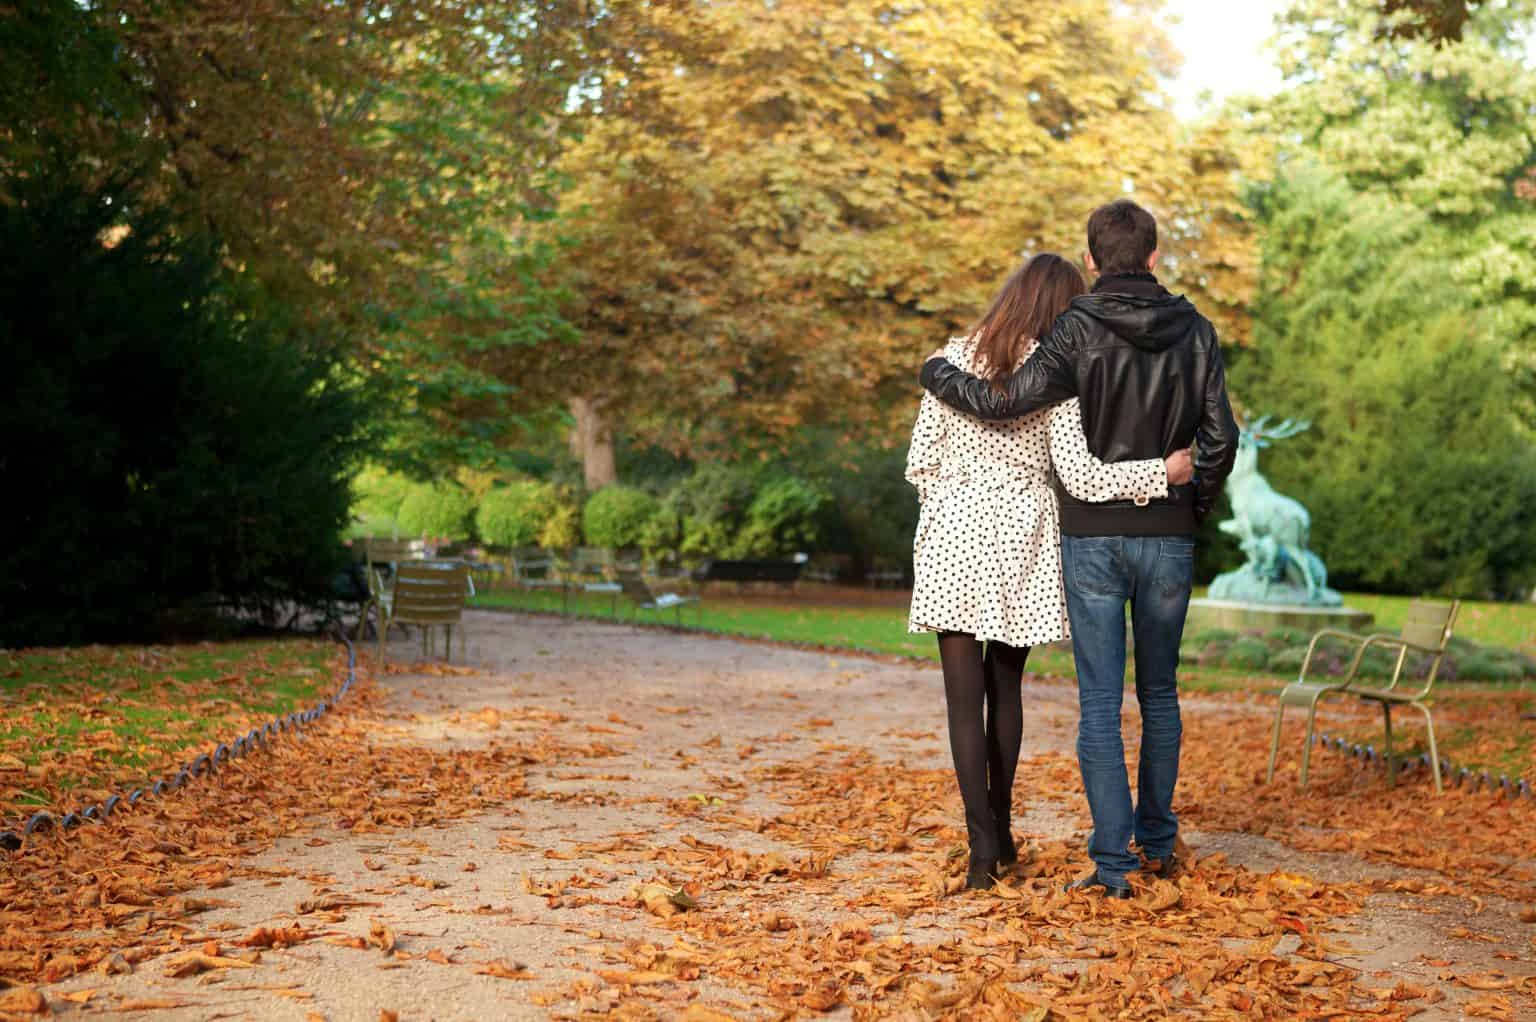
[
  {"x": 176, "y": 447},
  {"x": 787, "y": 516},
  {"x": 711, "y": 507},
  {"x": 516, "y": 514},
  {"x": 1418, "y": 472},
  {"x": 376, "y": 498},
  {"x": 663, "y": 531},
  {"x": 1246, "y": 654},
  {"x": 440, "y": 510},
  {"x": 615, "y": 516}
]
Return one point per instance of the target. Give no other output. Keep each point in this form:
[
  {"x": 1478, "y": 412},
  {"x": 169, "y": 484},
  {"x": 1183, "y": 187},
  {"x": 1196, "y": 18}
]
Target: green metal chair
[{"x": 1426, "y": 630}]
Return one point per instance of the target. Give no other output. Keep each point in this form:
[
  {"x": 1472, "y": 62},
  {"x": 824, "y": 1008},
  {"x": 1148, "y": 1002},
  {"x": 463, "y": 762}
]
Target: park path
[{"x": 529, "y": 911}]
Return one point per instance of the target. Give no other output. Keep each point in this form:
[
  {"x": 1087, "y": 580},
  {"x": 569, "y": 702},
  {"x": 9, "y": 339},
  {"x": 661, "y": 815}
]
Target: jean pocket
[
  {"x": 1095, "y": 566},
  {"x": 1175, "y": 566}
]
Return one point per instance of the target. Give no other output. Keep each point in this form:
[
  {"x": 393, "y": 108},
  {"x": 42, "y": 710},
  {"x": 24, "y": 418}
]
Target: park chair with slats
[
  {"x": 1426, "y": 630},
  {"x": 536, "y": 571},
  {"x": 641, "y": 597},
  {"x": 430, "y": 594},
  {"x": 382, "y": 559}
]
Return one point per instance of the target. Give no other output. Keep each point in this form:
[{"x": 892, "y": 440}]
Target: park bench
[
  {"x": 827, "y": 568},
  {"x": 1426, "y": 630},
  {"x": 382, "y": 558},
  {"x": 640, "y": 597},
  {"x": 784, "y": 573},
  {"x": 885, "y": 572},
  {"x": 429, "y": 594},
  {"x": 536, "y": 571}
]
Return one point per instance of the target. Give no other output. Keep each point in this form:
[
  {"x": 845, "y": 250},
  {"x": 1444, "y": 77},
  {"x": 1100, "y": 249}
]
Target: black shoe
[
  {"x": 1166, "y": 868},
  {"x": 1093, "y": 883},
  {"x": 982, "y": 875}
]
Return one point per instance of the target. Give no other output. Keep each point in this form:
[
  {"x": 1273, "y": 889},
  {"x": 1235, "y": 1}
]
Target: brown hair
[
  {"x": 1121, "y": 237},
  {"x": 1024, "y": 309}
]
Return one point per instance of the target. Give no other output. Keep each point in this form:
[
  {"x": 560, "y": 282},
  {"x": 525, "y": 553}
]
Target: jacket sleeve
[
  {"x": 1046, "y": 377},
  {"x": 1216, "y": 437},
  {"x": 1086, "y": 477},
  {"x": 927, "y": 450}
]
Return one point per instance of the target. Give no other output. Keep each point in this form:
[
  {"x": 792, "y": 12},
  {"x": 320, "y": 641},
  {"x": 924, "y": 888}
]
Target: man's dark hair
[{"x": 1121, "y": 237}]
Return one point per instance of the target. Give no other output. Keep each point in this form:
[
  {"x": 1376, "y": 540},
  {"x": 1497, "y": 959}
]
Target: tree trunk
[{"x": 592, "y": 443}]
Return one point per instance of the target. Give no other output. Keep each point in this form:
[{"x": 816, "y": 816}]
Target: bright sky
[
  {"x": 1222, "y": 43},
  {"x": 1223, "y": 46}
]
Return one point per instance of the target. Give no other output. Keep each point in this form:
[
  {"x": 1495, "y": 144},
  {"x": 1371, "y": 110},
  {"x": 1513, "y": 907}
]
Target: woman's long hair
[{"x": 1024, "y": 309}]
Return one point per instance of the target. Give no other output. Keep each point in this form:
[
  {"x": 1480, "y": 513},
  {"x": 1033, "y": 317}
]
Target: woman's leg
[
  {"x": 1003, "y": 670},
  {"x": 964, "y": 696}
]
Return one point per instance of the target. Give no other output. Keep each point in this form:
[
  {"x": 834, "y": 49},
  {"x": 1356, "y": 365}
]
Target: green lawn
[
  {"x": 74, "y": 722},
  {"x": 882, "y": 629}
]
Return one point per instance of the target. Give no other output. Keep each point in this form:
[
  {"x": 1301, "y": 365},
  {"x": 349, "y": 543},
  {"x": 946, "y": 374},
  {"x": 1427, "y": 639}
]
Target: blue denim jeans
[{"x": 1153, "y": 573}]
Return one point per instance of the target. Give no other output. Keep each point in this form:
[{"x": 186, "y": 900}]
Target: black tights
[{"x": 986, "y": 725}]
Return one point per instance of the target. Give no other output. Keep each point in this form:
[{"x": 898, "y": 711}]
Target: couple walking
[{"x": 1052, "y": 460}]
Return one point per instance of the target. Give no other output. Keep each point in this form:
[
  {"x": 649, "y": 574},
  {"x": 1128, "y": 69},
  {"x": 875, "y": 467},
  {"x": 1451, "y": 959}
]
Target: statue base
[{"x": 1244, "y": 615}]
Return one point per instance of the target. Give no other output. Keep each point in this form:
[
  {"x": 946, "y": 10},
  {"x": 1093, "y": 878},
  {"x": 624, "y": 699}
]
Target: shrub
[
  {"x": 786, "y": 516},
  {"x": 1287, "y": 661},
  {"x": 711, "y": 507},
  {"x": 662, "y": 532},
  {"x": 515, "y": 515},
  {"x": 615, "y": 516},
  {"x": 562, "y": 530},
  {"x": 167, "y": 443},
  {"x": 1247, "y": 654},
  {"x": 376, "y": 499},
  {"x": 439, "y": 510}
]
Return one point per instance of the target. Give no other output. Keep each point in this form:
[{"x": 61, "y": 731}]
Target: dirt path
[{"x": 530, "y": 912}]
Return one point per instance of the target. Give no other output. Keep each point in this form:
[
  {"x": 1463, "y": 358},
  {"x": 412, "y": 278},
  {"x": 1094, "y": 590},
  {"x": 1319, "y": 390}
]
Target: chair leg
[
  {"x": 448, "y": 642},
  {"x": 1386, "y": 715},
  {"x": 1306, "y": 750},
  {"x": 1274, "y": 743},
  {"x": 1434, "y": 751},
  {"x": 383, "y": 634}
]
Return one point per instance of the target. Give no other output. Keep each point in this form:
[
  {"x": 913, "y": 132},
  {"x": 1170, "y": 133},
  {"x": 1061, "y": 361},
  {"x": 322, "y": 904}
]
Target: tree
[
  {"x": 1447, "y": 129},
  {"x": 1397, "y": 301},
  {"x": 369, "y": 169},
  {"x": 1419, "y": 475},
  {"x": 171, "y": 449},
  {"x": 777, "y": 209}
]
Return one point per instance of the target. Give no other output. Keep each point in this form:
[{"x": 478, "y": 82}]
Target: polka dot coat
[{"x": 987, "y": 559}]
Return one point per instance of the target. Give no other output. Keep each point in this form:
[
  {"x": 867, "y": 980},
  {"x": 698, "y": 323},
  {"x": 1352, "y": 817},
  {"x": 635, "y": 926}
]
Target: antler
[{"x": 1285, "y": 430}]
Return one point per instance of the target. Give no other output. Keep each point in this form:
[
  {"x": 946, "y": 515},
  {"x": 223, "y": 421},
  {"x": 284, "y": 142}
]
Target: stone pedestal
[{"x": 1241, "y": 616}]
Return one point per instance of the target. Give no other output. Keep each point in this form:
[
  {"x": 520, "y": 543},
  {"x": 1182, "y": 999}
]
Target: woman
[{"x": 987, "y": 558}]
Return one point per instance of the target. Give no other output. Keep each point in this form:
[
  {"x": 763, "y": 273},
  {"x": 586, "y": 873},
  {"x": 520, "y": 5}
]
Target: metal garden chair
[
  {"x": 429, "y": 594},
  {"x": 1426, "y": 630}
]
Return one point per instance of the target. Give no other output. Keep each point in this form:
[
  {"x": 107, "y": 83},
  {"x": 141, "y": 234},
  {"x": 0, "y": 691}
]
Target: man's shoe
[
  {"x": 1093, "y": 883},
  {"x": 982, "y": 875},
  {"x": 1165, "y": 868}
]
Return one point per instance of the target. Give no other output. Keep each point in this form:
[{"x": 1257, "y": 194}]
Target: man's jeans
[{"x": 1155, "y": 574}]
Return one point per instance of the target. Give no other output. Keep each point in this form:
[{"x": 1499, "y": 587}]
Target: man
[{"x": 1148, "y": 371}]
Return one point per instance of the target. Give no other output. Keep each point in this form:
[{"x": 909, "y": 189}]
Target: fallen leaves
[
  {"x": 194, "y": 962},
  {"x": 661, "y": 900}
]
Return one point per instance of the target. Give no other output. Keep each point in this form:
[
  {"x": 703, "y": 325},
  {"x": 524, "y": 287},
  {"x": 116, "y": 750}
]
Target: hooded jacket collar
[{"x": 1138, "y": 310}]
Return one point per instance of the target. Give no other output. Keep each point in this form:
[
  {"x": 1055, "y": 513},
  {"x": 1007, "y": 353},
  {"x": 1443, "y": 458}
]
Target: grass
[
  {"x": 1478, "y": 724},
  {"x": 74, "y": 722}
]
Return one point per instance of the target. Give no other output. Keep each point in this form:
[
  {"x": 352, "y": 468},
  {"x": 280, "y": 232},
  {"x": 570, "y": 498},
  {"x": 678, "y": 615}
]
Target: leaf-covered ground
[
  {"x": 597, "y": 822},
  {"x": 77, "y": 723}
]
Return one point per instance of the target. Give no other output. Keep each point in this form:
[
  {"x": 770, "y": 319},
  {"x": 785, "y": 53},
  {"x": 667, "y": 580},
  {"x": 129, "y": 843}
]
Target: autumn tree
[
  {"x": 370, "y": 169},
  {"x": 776, "y": 210}
]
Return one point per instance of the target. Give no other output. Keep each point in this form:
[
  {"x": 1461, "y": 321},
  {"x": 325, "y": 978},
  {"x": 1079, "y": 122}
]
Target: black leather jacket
[{"x": 1148, "y": 370}]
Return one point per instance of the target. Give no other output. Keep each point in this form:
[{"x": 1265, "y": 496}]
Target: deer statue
[{"x": 1272, "y": 529}]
